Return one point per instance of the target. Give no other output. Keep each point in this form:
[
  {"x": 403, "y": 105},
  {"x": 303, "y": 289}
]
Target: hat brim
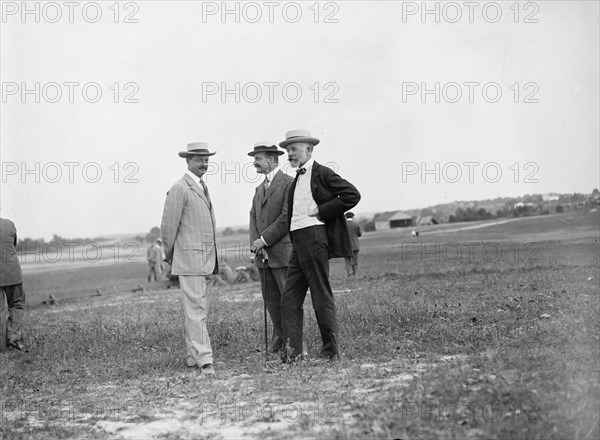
[
  {"x": 278, "y": 152},
  {"x": 309, "y": 140},
  {"x": 186, "y": 154}
]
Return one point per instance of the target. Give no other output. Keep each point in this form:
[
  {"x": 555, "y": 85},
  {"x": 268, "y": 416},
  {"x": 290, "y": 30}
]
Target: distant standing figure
[
  {"x": 12, "y": 295},
  {"x": 154, "y": 257},
  {"x": 188, "y": 234},
  {"x": 415, "y": 234},
  {"x": 355, "y": 232}
]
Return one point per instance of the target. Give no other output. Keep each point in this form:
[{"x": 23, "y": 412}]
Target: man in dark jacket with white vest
[{"x": 317, "y": 201}]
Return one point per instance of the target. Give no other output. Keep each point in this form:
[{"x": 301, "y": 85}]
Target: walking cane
[{"x": 264, "y": 292}]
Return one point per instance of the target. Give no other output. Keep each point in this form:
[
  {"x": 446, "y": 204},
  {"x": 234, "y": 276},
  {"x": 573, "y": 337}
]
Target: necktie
[
  {"x": 206, "y": 193},
  {"x": 267, "y": 183},
  {"x": 299, "y": 171}
]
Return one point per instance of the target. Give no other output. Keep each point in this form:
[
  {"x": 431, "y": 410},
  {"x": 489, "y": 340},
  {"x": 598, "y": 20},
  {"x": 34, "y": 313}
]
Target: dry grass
[{"x": 434, "y": 347}]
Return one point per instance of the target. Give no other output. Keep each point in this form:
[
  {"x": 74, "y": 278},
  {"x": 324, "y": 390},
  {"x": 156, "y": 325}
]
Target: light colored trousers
[{"x": 195, "y": 308}]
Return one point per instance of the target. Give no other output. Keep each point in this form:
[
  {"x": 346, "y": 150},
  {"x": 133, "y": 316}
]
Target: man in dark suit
[
  {"x": 317, "y": 200},
  {"x": 11, "y": 287},
  {"x": 355, "y": 232},
  {"x": 269, "y": 231}
]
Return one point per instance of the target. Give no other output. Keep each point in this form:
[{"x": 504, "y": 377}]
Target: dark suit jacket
[
  {"x": 269, "y": 218},
  {"x": 10, "y": 268},
  {"x": 334, "y": 196},
  {"x": 355, "y": 232}
]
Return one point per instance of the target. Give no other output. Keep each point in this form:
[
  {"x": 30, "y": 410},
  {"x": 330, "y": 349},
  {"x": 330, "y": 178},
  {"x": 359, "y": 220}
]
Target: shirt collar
[
  {"x": 193, "y": 176},
  {"x": 308, "y": 165},
  {"x": 271, "y": 175}
]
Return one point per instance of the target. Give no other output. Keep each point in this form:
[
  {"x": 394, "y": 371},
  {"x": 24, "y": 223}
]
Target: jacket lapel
[
  {"x": 276, "y": 179},
  {"x": 195, "y": 186},
  {"x": 315, "y": 180}
]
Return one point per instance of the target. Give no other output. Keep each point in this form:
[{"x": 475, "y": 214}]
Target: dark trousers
[
  {"x": 309, "y": 267},
  {"x": 352, "y": 263},
  {"x": 272, "y": 280},
  {"x": 15, "y": 301}
]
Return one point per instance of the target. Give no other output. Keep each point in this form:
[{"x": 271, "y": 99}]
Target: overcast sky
[{"x": 371, "y": 62}]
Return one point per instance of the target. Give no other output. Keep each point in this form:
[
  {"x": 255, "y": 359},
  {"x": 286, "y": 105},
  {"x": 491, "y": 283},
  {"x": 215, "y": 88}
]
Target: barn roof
[
  {"x": 401, "y": 216},
  {"x": 392, "y": 215},
  {"x": 427, "y": 219}
]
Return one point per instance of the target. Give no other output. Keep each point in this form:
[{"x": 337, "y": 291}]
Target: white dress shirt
[
  {"x": 269, "y": 177},
  {"x": 196, "y": 179},
  {"x": 304, "y": 204}
]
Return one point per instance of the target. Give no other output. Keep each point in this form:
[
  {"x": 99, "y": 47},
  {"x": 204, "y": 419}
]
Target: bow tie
[{"x": 301, "y": 171}]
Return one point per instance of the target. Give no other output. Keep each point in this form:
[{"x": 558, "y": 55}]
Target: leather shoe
[
  {"x": 208, "y": 370},
  {"x": 323, "y": 360},
  {"x": 16, "y": 345}
]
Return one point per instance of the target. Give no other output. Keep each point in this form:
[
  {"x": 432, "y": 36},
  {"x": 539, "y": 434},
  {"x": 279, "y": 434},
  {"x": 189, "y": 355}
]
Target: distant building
[
  {"x": 392, "y": 219},
  {"x": 549, "y": 197},
  {"x": 426, "y": 220}
]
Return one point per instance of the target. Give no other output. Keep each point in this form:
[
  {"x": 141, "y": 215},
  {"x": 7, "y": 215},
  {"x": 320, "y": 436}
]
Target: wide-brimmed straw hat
[
  {"x": 196, "y": 149},
  {"x": 265, "y": 147},
  {"x": 298, "y": 136}
]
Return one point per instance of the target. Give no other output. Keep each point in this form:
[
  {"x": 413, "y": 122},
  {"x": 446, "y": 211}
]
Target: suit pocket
[{"x": 201, "y": 247}]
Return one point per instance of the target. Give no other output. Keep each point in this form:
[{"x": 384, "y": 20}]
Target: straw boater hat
[
  {"x": 265, "y": 147},
  {"x": 196, "y": 149},
  {"x": 298, "y": 136}
]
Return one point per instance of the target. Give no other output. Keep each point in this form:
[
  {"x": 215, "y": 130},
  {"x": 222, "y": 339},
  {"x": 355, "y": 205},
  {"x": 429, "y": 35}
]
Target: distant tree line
[{"x": 28, "y": 244}]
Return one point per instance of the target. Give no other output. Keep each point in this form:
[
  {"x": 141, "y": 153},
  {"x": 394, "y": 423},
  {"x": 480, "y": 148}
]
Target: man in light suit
[
  {"x": 12, "y": 296},
  {"x": 188, "y": 235},
  {"x": 317, "y": 200},
  {"x": 269, "y": 232}
]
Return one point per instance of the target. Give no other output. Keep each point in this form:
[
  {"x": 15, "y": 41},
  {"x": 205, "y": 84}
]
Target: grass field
[{"x": 476, "y": 333}]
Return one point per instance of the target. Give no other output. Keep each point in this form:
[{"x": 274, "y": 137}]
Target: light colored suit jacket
[
  {"x": 268, "y": 217},
  {"x": 10, "y": 268},
  {"x": 188, "y": 229}
]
